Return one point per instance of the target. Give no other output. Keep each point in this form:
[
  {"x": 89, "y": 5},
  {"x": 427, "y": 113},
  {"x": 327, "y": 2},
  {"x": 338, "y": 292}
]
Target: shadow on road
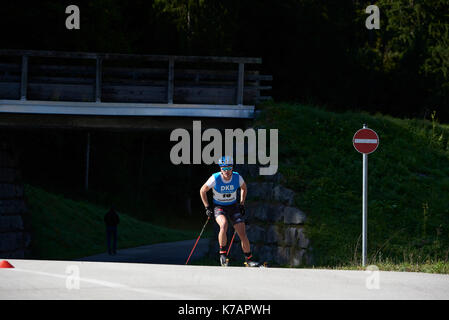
[{"x": 161, "y": 253}]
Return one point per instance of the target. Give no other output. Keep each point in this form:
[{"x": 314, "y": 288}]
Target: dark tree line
[{"x": 318, "y": 51}]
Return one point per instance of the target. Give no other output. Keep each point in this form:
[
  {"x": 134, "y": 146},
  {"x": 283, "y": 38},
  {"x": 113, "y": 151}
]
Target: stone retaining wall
[{"x": 277, "y": 230}]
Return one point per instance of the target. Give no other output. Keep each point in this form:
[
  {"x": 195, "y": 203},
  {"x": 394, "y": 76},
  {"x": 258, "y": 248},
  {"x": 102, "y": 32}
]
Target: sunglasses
[{"x": 226, "y": 168}]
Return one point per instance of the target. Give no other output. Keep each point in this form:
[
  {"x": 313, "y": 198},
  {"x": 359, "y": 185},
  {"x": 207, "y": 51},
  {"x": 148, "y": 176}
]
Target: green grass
[
  {"x": 440, "y": 267},
  {"x": 425, "y": 267},
  {"x": 408, "y": 193},
  {"x": 66, "y": 229}
]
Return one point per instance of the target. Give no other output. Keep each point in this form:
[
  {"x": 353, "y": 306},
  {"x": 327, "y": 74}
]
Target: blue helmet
[{"x": 225, "y": 161}]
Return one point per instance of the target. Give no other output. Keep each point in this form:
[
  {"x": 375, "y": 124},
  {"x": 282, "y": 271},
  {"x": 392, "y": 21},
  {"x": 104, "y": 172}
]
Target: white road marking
[{"x": 107, "y": 284}]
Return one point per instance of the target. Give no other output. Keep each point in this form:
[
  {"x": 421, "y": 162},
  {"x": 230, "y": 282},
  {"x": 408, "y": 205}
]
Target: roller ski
[
  {"x": 254, "y": 264},
  {"x": 224, "y": 261}
]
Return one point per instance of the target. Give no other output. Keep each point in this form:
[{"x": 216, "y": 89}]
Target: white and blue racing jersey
[{"x": 225, "y": 192}]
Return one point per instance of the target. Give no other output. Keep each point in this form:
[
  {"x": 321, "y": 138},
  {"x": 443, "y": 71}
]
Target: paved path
[
  {"x": 37, "y": 279},
  {"x": 161, "y": 253},
  {"x": 159, "y": 272}
]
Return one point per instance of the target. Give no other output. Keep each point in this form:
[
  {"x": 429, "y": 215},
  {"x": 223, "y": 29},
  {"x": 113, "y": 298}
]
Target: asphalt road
[
  {"x": 161, "y": 253},
  {"x": 37, "y": 279}
]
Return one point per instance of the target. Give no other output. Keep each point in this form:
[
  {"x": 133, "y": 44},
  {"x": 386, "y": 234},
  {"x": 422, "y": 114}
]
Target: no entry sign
[{"x": 365, "y": 141}]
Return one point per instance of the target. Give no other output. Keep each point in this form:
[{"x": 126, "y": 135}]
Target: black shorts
[{"x": 231, "y": 211}]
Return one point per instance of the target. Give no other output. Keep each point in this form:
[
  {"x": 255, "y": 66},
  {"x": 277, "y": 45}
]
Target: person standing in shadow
[{"x": 111, "y": 220}]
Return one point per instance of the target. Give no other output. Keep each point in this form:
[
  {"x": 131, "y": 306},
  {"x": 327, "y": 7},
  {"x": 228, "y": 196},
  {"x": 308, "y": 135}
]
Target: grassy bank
[
  {"x": 408, "y": 215},
  {"x": 440, "y": 267},
  {"x": 66, "y": 229},
  {"x": 425, "y": 267}
]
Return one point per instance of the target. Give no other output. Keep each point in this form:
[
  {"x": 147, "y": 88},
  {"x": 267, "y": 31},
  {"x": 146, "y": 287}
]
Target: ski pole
[
  {"x": 230, "y": 245},
  {"x": 202, "y": 230}
]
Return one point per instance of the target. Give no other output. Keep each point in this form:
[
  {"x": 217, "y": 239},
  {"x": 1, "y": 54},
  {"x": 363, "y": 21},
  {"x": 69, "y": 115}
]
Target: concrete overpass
[
  {"x": 17, "y": 114},
  {"x": 103, "y": 90}
]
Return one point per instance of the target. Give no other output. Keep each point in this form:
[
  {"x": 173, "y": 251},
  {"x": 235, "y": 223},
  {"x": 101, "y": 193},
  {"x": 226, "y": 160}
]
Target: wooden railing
[{"x": 105, "y": 77}]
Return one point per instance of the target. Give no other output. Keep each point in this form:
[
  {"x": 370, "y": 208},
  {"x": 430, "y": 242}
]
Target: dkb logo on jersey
[{"x": 227, "y": 188}]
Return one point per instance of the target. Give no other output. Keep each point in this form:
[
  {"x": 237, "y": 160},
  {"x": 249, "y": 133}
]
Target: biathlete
[{"x": 224, "y": 185}]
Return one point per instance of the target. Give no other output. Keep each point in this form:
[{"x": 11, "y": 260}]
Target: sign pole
[
  {"x": 365, "y": 141},
  {"x": 364, "y": 208}
]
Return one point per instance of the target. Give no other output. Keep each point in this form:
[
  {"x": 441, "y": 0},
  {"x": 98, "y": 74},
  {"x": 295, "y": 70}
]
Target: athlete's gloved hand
[
  {"x": 209, "y": 212},
  {"x": 242, "y": 209}
]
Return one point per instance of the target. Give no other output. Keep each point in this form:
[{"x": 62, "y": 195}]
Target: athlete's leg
[
  {"x": 223, "y": 223},
  {"x": 240, "y": 228}
]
